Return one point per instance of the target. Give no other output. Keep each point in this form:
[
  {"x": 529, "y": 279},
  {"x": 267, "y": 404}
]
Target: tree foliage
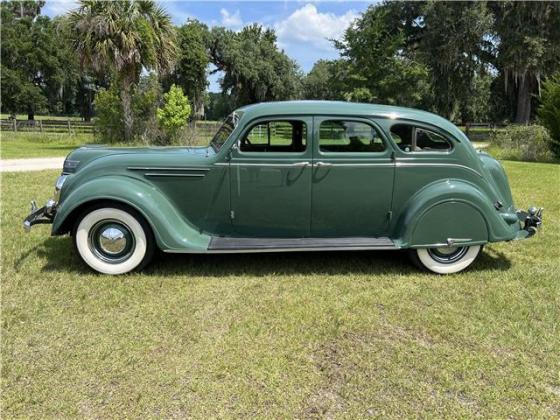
[
  {"x": 528, "y": 38},
  {"x": 380, "y": 67},
  {"x": 254, "y": 69},
  {"x": 326, "y": 80},
  {"x": 35, "y": 63},
  {"x": 549, "y": 111}
]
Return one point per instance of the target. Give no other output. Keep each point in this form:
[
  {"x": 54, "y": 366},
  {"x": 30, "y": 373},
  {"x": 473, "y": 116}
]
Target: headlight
[
  {"x": 58, "y": 186},
  {"x": 70, "y": 166}
]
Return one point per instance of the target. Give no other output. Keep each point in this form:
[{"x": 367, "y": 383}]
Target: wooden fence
[
  {"x": 47, "y": 126},
  {"x": 75, "y": 126}
]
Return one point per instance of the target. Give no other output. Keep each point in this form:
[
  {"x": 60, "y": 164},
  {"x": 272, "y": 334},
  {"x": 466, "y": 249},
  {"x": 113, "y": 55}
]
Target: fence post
[
  {"x": 68, "y": 126},
  {"x": 467, "y": 129},
  {"x": 15, "y": 124},
  {"x": 41, "y": 125}
]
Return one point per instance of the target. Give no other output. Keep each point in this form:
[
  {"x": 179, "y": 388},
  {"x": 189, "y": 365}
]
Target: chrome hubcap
[
  {"x": 448, "y": 254},
  {"x": 111, "y": 241}
]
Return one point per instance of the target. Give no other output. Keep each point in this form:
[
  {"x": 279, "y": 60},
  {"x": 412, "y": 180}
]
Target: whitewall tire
[
  {"x": 113, "y": 240},
  {"x": 446, "y": 260}
]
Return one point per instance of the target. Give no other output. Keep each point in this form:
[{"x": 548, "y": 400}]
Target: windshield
[{"x": 225, "y": 130}]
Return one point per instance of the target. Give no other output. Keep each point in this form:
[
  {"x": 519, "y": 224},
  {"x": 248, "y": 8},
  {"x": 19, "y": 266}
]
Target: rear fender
[
  {"x": 450, "y": 209},
  {"x": 171, "y": 230}
]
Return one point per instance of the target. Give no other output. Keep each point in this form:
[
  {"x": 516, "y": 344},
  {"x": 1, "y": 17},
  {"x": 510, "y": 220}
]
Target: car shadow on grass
[{"x": 61, "y": 257}]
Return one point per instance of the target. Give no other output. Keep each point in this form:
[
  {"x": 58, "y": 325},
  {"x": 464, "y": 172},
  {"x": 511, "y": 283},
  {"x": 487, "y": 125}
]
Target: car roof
[{"x": 341, "y": 108}]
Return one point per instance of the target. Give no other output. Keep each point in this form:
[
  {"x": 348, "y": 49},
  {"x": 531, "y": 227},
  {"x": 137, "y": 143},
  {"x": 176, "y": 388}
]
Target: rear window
[{"x": 410, "y": 138}]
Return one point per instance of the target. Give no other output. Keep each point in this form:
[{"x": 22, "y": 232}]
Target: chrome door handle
[
  {"x": 323, "y": 164},
  {"x": 300, "y": 164}
]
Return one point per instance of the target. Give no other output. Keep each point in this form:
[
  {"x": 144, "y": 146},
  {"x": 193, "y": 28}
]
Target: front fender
[
  {"x": 171, "y": 230},
  {"x": 451, "y": 209}
]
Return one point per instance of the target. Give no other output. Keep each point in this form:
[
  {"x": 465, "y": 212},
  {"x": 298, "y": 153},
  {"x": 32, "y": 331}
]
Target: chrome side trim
[
  {"x": 175, "y": 175},
  {"x": 272, "y": 165},
  {"x": 154, "y": 168},
  {"x": 352, "y": 165},
  {"x": 255, "y": 251},
  {"x": 448, "y": 165},
  {"x": 303, "y": 164}
]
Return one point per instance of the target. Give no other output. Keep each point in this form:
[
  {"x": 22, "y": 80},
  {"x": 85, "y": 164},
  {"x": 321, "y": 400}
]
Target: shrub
[
  {"x": 522, "y": 142},
  {"x": 549, "y": 112},
  {"x": 109, "y": 126},
  {"x": 175, "y": 112}
]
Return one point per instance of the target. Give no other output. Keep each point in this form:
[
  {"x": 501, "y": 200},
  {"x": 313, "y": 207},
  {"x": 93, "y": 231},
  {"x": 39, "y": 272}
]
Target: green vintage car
[{"x": 291, "y": 176}]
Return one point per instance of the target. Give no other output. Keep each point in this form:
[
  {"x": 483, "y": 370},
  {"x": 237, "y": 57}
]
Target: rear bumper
[
  {"x": 43, "y": 215},
  {"x": 530, "y": 220}
]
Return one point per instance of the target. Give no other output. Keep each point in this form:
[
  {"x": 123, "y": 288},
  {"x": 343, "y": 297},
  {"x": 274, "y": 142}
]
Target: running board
[{"x": 226, "y": 244}]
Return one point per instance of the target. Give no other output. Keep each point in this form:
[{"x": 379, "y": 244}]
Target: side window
[
  {"x": 349, "y": 136},
  {"x": 275, "y": 136},
  {"x": 415, "y": 139}
]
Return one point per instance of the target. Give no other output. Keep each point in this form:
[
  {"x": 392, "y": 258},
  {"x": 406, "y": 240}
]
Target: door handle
[
  {"x": 300, "y": 164},
  {"x": 323, "y": 164}
]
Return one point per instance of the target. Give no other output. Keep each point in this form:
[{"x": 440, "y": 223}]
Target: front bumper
[
  {"x": 531, "y": 221},
  {"x": 43, "y": 215}
]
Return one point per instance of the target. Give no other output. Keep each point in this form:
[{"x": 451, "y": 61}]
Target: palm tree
[{"x": 124, "y": 37}]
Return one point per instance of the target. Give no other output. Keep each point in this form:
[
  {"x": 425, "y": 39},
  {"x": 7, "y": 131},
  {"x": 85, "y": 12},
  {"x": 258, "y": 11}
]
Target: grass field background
[
  {"x": 303, "y": 335},
  {"x": 35, "y": 145}
]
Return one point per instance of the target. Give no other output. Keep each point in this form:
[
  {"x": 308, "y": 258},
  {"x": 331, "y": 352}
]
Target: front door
[
  {"x": 352, "y": 182},
  {"x": 270, "y": 175}
]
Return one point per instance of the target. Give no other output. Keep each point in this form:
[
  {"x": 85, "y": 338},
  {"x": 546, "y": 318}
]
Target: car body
[{"x": 295, "y": 175}]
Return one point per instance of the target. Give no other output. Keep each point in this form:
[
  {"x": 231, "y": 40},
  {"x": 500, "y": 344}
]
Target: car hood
[{"x": 82, "y": 156}]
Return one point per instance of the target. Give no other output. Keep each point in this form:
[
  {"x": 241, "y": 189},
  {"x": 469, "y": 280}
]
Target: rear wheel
[
  {"x": 446, "y": 260},
  {"x": 113, "y": 240}
]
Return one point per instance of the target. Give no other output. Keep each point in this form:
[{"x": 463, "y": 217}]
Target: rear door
[{"x": 352, "y": 181}]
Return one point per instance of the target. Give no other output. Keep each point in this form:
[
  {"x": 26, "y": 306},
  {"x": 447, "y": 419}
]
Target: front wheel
[
  {"x": 113, "y": 240},
  {"x": 446, "y": 260}
]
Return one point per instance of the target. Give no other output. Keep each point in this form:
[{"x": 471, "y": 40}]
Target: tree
[
  {"x": 34, "y": 62},
  {"x": 326, "y": 80},
  {"x": 174, "y": 113},
  {"x": 549, "y": 111},
  {"x": 528, "y": 37},
  {"x": 451, "y": 41},
  {"x": 381, "y": 67},
  {"x": 192, "y": 63},
  {"x": 255, "y": 70},
  {"x": 124, "y": 37}
]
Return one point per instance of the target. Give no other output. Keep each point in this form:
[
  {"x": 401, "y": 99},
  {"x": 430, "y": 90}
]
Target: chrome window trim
[{"x": 424, "y": 164}]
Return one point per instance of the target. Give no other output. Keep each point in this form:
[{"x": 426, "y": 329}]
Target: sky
[{"x": 303, "y": 28}]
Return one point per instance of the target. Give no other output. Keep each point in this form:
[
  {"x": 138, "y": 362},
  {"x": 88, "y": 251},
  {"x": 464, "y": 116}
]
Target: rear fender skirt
[{"x": 481, "y": 211}]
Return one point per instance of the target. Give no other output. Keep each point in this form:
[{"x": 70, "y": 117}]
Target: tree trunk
[
  {"x": 30, "y": 115},
  {"x": 199, "y": 107},
  {"x": 126, "y": 98},
  {"x": 523, "y": 112}
]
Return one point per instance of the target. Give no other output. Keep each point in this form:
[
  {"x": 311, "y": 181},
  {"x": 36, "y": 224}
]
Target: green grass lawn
[
  {"x": 303, "y": 335},
  {"x": 22, "y": 145},
  {"x": 34, "y": 145}
]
